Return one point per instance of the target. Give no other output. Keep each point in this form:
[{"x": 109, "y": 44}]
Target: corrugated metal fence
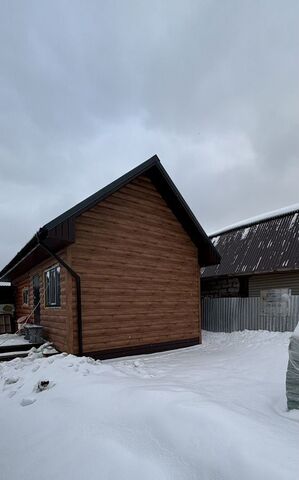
[{"x": 233, "y": 314}]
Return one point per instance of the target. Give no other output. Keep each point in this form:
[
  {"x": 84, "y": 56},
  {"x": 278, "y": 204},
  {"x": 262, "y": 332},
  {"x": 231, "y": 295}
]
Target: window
[
  {"x": 52, "y": 287},
  {"x": 25, "y": 296}
]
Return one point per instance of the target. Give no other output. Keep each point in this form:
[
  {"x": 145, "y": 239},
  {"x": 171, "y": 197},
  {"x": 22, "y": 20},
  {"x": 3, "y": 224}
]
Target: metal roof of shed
[{"x": 259, "y": 246}]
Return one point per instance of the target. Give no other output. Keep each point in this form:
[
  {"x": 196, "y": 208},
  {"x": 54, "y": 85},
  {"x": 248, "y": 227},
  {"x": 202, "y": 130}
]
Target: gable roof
[
  {"x": 60, "y": 231},
  {"x": 264, "y": 244}
]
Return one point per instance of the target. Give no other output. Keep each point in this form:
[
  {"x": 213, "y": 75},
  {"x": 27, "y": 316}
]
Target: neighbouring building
[
  {"x": 7, "y": 300},
  {"x": 256, "y": 284},
  {"x": 256, "y": 255},
  {"x": 118, "y": 273}
]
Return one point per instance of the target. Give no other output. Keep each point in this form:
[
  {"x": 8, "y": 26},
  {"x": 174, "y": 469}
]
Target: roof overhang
[{"x": 32, "y": 253}]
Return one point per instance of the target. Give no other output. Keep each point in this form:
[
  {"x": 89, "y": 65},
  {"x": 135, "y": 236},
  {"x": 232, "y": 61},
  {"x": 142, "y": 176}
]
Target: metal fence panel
[{"x": 234, "y": 314}]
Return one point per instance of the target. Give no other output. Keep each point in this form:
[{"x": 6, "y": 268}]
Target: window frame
[
  {"x": 25, "y": 289},
  {"x": 57, "y": 287}
]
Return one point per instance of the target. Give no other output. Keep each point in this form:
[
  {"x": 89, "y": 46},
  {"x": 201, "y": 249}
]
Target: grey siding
[
  {"x": 274, "y": 280},
  {"x": 235, "y": 314}
]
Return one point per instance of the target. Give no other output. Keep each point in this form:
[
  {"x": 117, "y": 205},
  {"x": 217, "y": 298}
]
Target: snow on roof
[
  {"x": 258, "y": 218},
  {"x": 262, "y": 244}
]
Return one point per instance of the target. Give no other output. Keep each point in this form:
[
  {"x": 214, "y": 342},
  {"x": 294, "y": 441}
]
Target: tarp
[{"x": 292, "y": 379}]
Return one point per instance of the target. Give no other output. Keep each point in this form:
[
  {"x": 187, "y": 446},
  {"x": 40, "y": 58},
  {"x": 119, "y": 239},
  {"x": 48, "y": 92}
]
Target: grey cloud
[{"x": 90, "y": 89}]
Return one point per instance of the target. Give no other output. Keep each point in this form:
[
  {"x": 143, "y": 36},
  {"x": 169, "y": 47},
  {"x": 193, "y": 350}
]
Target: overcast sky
[{"x": 89, "y": 89}]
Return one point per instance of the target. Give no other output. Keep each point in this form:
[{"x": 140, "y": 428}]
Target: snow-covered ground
[
  {"x": 12, "y": 339},
  {"x": 210, "y": 412}
]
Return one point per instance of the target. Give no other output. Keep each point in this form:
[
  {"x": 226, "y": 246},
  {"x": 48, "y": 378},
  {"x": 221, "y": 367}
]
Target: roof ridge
[{"x": 107, "y": 189}]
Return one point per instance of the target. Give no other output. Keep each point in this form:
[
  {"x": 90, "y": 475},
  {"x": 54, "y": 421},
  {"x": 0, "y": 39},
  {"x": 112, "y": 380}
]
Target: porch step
[
  {"x": 6, "y": 356},
  {"x": 11, "y": 355},
  {"x": 18, "y": 348}
]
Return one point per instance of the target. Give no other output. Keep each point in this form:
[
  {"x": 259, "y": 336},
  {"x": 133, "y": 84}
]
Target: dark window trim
[
  {"x": 56, "y": 287},
  {"x": 25, "y": 289}
]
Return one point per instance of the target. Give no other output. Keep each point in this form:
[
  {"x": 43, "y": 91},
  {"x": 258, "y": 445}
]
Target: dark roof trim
[
  {"x": 247, "y": 274},
  {"x": 52, "y": 231},
  {"x": 97, "y": 197},
  {"x": 20, "y": 257},
  {"x": 208, "y": 254}
]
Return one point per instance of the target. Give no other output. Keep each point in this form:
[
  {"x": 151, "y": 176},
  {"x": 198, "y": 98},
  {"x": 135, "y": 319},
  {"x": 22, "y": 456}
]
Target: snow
[
  {"x": 245, "y": 233},
  {"x": 293, "y": 221},
  {"x": 210, "y": 412},
  {"x": 295, "y": 333},
  {"x": 215, "y": 241},
  {"x": 12, "y": 339},
  {"x": 258, "y": 218}
]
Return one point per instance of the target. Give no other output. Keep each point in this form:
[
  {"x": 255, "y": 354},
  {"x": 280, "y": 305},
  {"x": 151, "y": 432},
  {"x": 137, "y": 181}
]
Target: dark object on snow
[
  {"x": 292, "y": 380},
  {"x": 43, "y": 385},
  {"x": 35, "y": 333}
]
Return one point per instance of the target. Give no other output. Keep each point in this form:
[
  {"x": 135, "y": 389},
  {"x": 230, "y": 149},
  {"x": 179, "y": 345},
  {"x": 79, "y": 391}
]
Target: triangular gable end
[{"x": 60, "y": 231}]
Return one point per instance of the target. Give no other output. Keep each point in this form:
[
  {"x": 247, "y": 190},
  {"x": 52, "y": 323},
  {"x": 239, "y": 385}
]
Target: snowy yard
[
  {"x": 11, "y": 340},
  {"x": 216, "y": 411}
]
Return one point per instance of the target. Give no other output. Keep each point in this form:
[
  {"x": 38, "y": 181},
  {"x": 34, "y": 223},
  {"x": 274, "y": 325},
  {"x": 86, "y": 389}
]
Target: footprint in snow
[
  {"x": 11, "y": 380},
  {"x": 27, "y": 401},
  {"x": 138, "y": 363},
  {"x": 91, "y": 360},
  {"x": 35, "y": 368},
  {"x": 19, "y": 366}
]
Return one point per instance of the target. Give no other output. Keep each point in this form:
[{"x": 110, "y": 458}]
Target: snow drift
[{"x": 211, "y": 412}]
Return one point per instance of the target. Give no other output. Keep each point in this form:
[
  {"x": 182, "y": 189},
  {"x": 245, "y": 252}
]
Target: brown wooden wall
[
  {"x": 139, "y": 272},
  {"x": 53, "y": 319},
  {"x": 21, "y": 283}
]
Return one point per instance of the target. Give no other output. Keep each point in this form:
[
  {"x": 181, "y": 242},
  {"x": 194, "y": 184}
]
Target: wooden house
[{"x": 118, "y": 273}]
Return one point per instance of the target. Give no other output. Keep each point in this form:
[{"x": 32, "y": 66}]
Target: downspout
[{"x": 78, "y": 289}]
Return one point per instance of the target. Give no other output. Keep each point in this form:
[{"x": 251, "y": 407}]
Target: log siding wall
[
  {"x": 21, "y": 283},
  {"x": 139, "y": 272},
  {"x": 53, "y": 319}
]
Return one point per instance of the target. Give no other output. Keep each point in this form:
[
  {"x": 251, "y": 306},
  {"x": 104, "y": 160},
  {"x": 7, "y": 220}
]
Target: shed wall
[
  {"x": 53, "y": 319},
  {"x": 21, "y": 283},
  {"x": 274, "y": 280},
  {"x": 139, "y": 272}
]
